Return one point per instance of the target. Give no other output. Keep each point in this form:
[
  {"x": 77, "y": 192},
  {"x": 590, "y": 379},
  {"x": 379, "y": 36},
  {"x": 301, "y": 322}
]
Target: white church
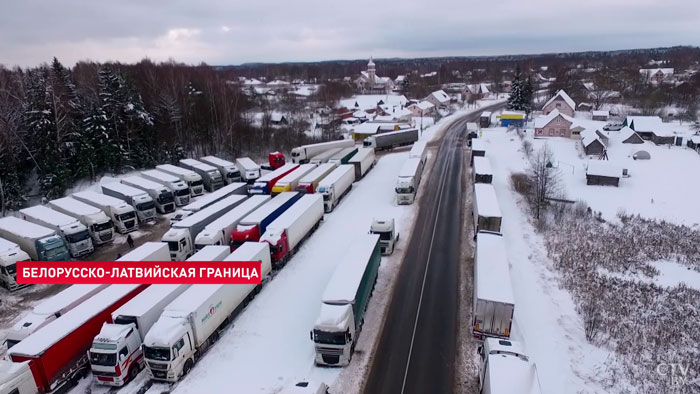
[{"x": 368, "y": 82}]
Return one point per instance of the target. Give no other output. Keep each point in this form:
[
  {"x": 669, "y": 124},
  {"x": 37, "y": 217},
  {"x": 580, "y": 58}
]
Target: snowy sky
[{"x": 238, "y": 31}]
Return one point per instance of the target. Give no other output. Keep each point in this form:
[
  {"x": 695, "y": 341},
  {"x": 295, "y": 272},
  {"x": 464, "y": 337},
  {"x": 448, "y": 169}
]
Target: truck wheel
[
  {"x": 188, "y": 367},
  {"x": 133, "y": 372}
]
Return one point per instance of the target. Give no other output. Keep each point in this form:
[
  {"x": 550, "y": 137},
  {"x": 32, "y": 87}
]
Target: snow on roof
[
  {"x": 322, "y": 169},
  {"x": 269, "y": 207},
  {"x": 114, "y": 331},
  {"x": 274, "y": 174},
  {"x": 211, "y": 253},
  {"x": 210, "y": 198},
  {"x": 248, "y": 251},
  {"x": 644, "y": 123},
  {"x": 342, "y": 287},
  {"x": 7, "y": 246},
  {"x": 370, "y": 101},
  {"x": 247, "y": 163},
  {"x": 472, "y": 126},
  {"x": 361, "y": 154},
  {"x": 492, "y": 270},
  {"x": 123, "y": 189},
  {"x": 163, "y": 176},
  {"x": 366, "y": 128},
  {"x": 45, "y": 337},
  {"x": 486, "y": 114},
  {"x": 296, "y": 174},
  {"x": 64, "y": 299},
  {"x": 288, "y": 217},
  {"x": 542, "y": 121},
  {"x": 417, "y": 148},
  {"x": 601, "y": 113},
  {"x": 522, "y": 375},
  {"x": 695, "y": 139},
  {"x": 410, "y": 167},
  {"x": 145, "y": 251},
  {"x": 343, "y": 153},
  {"x": 326, "y": 154},
  {"x": 252, "y": 81},
  {"x": 213, "y": 209},
  {"x": 143, "y": 182},
  {"x": 145, "y": 300},
  {"x": 625, "y": 133},
  {"x": 199, "y": 165},
  {"x": 440, "y": 96},
  {"x": 652, "y": 71},
  {"x": 603, "y": 168},
  {"x": 333, "y": 316},
  {"x": 336, "y": 174},
  {"x": 101, "y": 199},
  {"x": 561, "y": 94},
  {"x": 278, "y": 82},
  {"x": 169, "y": 168},
  {"x": 423, "y": 105},
  {"x": 217, "y": 161},
  {"x": 48, "y": 215},
  {"x": 478, "y": 145},
  {"x": 236, "y": 214},
  {"x": 277, "y": 116},
  {"x": 482, "y": 166},
  {"x": 24, "y": 229},
  {"x": 591, "y": 138},
  {"x": 73, "y": 205},
  {"x": 486, "y": 200}
]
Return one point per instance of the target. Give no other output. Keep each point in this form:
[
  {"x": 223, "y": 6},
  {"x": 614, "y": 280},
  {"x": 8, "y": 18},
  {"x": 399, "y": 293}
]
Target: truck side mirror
[
  {"x": 311, "y": 335},
  {"x": 349, "y": 336}
]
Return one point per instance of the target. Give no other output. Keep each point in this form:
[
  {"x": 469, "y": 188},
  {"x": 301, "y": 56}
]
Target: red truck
[
  {"x": 57, "y": 352},
  {"x": 251, "y": 227},
  {"x": 276, "y": 160}
]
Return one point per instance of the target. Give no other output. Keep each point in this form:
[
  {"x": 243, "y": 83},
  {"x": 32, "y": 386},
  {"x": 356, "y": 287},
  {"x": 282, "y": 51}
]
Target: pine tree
[
  {"x": 516, "y": 98},
  {"x": 527, "y": 92}
]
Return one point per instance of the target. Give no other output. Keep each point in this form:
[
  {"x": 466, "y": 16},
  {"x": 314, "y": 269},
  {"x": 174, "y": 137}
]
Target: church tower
[{"x": 371, "y": 72}]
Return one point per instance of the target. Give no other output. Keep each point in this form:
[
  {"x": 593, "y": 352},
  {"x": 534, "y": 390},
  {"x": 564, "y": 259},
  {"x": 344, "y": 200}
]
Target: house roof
[
  {"x": 625, "y": 133},
  {"x": 366, "y": 128},
  {"x": 644, "y": 123},
  {"x": 652, "y": 71},
  {"x": 277, "y": 117},
  {"x": 601, "y": 113},
  {"x": 423, "y": 105},
  {"x": 542, "y": 121},
  {"x": 441, "y": 96},
  {"x": 603, "y": 168},
  {"x": 370, "y": 101},
  {"x": 562, "y": 94},
  {"x": 589, "y": 136}
]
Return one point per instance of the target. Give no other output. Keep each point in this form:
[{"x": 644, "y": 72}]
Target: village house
[
  {"x": 600, "y": 115},
  {"x": 594, "y": 142},
  {"x": 644, "y": 125},
  {"x": 422, "y": 108},
  {"x": 694, "y": 143},
  {"x": 370, "y": 82},
  {"x": 560, "y": 102},
  {"x": 600, "y": 172},
  {"x": 555, "y": 124},
  {"x": 629, "y": 136},
  {"x": 475, "y": 91},
  {"x": 439, "y": 98},
  {"x": 656, "y": 75}
]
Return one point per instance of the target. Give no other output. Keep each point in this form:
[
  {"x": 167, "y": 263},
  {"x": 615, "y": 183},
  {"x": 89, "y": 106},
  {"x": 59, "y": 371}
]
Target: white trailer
[
  {"x": 289, "y": 182},
  {"x": 229, "y": 171},
  {"x": 122, "y": 214},
  {"x": 418, "y": 150},
  {"x": 324, "y": 156},
  {"x": 99, "y": 225},
  {"x": 16, "y": 378},
  {"x": 211, "y": 198},
  {"x": 310, "y": 181},
  {"x": 486, "y": 212},
  {"x": 116, "y": 356},
  {"x": 391, "y": 139},
  {"x": 74, "y": 233},
  {"x": 302, "y": 154},
  {"x": 138, "y": 199},
  {"x": 363, "y": 161},
  {"x": 210, "y": 175},
  {"x": 194, "y": 320},
  {"x": 250, "y": 170},
  {"x": 336, "y": 185},
  {"x": 482, "y": 172},
  {"x": 148, "y": 251},
  {"x": 286, "y": 233},
  {"x": 493, "y": 304},
  {"x": 161, "y": 195},
  {"x": 504, "y": 368},
  {"x": 478, "y": 149},
  {"x": 40, "y": 243},
  {"x": 192, "y": 179},
  {"x": 10, "y": 254},
  {"x": 211, "y": 253},
  {"x": 181, "y": 236},
  {"x": 409, "y": 180},
  {"x": 49, "y": 310},
  {"x": 219, "y": 231},
  {"x": 179, "y": 188}
]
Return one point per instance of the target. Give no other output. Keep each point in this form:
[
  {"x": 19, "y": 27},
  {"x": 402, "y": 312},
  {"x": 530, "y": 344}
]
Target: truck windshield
[
  {"x": 234, "y": 174},
  {"x": 173, "y": 246},
  {"x": 106, "y": 359},
  {"x": 165, "y": 198},
  {"x": 197, "y": 183},
  {"x": 103, "y": 226},
  {"x": 127, "y": 216},
  {"x": 11, "y": 269},
  {"x": 55, "y": 252},
  {"x": 77, "y": 237},
  {"x": 157, "y": 353},
  {"x": 383, "y": 235},
  {"x": 326, "y": 197},
  {"x": 404, "y": 190},
  {"x": 367, "y": 143},
  {"x": 146, "y": 206},
  {"x": 183, "y": 192},
  {"x": 331, "y": 338}
]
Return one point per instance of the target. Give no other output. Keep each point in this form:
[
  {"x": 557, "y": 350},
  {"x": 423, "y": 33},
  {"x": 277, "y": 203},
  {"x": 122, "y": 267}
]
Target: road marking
[{"x": 427, "y": 264}]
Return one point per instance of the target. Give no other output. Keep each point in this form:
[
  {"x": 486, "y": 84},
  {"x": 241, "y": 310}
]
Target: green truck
[{"x": 345, "y": 300}]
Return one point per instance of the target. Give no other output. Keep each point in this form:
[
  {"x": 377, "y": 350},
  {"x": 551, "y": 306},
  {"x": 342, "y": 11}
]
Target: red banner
[{"x": 139, "y": 272}]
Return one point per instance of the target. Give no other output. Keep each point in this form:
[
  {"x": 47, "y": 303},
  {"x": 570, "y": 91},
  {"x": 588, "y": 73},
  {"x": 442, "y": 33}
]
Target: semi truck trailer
[
  {"x": 286, "y": 233},
  {"x": 324, "y": 156},
  {"x": 310, "y": 181},
  {"x": 302, "y": 154},
  {"x": 39, "y": 242},
  {"x": 505, "y": 368},
  {"x": 74, "y": 233},
  {"x": 57, "y": 352},
  {"x": 163, "y": 197},
  {"x": 391, "y": 139},
  {"x": 148, "y": 251},
  {"x": 419, "y": 151},
  {"x": 252, "y": 226},
  {"x": 485, "y": 209},
  {"x": 99, "y": 225},
  {"x": 211, "y": 253},
  {"x": 478, "y": 149},
  {"x": 482, "y": 172},
  {"x": 122, "y": 214},
  {"x": 211, "y": 176},
  {"x": 180, "y": 238},
  {"x": 493, "y": 304},
  {"x": 265, "y": 183},
  {"x": 336, "y": 185},
  {"x": 229, "y": 171},
  {"x": 138, "y": 199},
  {"x": 250, "y": 170},
  {"x": 179, "y": 188},
  {"x": 388, "y": 236},
  {"x": 192, "y": 179},
  {"x": 238, "y": 188},
  {"x": 219, "y": 231},
  {"x": 289, "y": 182},
  {"x": 363, "y": 161},
  {"x": 193, "y": 321},
  {"x": 343, "y": 156},
  {"x": 10, "y": 254},
  {"x": 345, "y": 300},
  {"x": 408, "y": 181}
]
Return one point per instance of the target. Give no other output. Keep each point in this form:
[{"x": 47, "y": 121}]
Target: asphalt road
[{"x": 418, "y": 343}]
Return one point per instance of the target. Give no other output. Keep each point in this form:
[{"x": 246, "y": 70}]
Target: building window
[
  {"x": 558, "y": 105},
  {"x": 551, "y": 131},
  {"x": 562, "y": 132}
]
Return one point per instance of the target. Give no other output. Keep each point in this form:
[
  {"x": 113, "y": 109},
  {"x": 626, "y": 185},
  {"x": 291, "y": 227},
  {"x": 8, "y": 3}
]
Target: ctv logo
[{"x": 677, "y": 372}]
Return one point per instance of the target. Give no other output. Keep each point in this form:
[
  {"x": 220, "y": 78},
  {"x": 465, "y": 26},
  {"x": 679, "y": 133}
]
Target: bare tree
[{"x": 544, "y": 179}]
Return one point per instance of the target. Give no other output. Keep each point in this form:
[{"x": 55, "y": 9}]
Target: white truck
[
  {"x": 336, "y": 185},
  {"x": 302, "y": 154},
  {"x": 181, "y": 236},
  {"x": 177, "y": 186},
  {"x": 286, "y": 233},
  {"x": 418, "y": 150},
  {"x": 49, "y": 310},
  {"x": 16, "y": 378},
  {"x": 504, "y": 368},
  {"x": 162, "y": 197},
  {"x": 345, "y": 300},
  {"x": 306, "y": 388},
  {"x": 289, "y": 182},
  {"x": 148, "y": 251},
  {"x": 10, "y": 254},
  {"x": 343, "y": 156},
  {"x": 388, "y": 236},
  {"x": 210, "y": 175},
  {"x": 211, "y": 198},
  {"x": 493, "y": 304},
  {"x": 194, "y": 320},
  {"x": 363, "y": 161},
  {"x": 324, "y": 156},
  {"x": 219, "y": 231},
  {"x": 482, "y": 172},
  {"x": 391, "y": 139},
  {"x": 229, "y": 171},
  {"x": 486, "y": 212},
  {"x": 408, "y": 181},
  {"x": 99, "y": 225},
  {"x": 193, "y": 180},
  {"x": 211, "y": 253},
  {"x": 116, "y": 356},
  {"x": 39, "y": 242},
  {"x": 122, "y": 214},
  {"x": 74, "y": 233},
  {"x": 138, "y": 199},
  {"x": 250, "y": 170}
]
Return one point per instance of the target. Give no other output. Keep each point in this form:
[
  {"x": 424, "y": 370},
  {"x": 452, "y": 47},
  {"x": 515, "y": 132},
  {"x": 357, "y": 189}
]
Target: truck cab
[
  {"x": 276, "y": 160},
  {"x": 101, "y": 230},
  {"x": 388, "y": 236},
  {"x": 405, "y": 190},
  {"x": 115, "y": 355},
  {"x": 168, "y": 360},
  {"x": 179, "y": 243},
  {"x": 52, "y": 249},
  {"x": 369, "y": 142},
  {"x": 504, "y": 368},
  {"x": 333, "y": 335},
  {"x": 179, "y": 215},
  {"x": 145, "y": 207},
  {"x": 328, "y": 197},
  {"x": 16, "y": 378},
  {"x": 279, "y": 246},
  {"x": 125, "y": 218},
  {"x": 243, "y": 234},
  {"x": 78, "y": 239},
  {"x": 165, "y": 202},
  {"x": 8, "y": 266}
]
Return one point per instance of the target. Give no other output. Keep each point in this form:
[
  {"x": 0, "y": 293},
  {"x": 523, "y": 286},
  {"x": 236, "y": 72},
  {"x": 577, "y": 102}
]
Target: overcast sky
[{"x": 237, "y": 31}]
